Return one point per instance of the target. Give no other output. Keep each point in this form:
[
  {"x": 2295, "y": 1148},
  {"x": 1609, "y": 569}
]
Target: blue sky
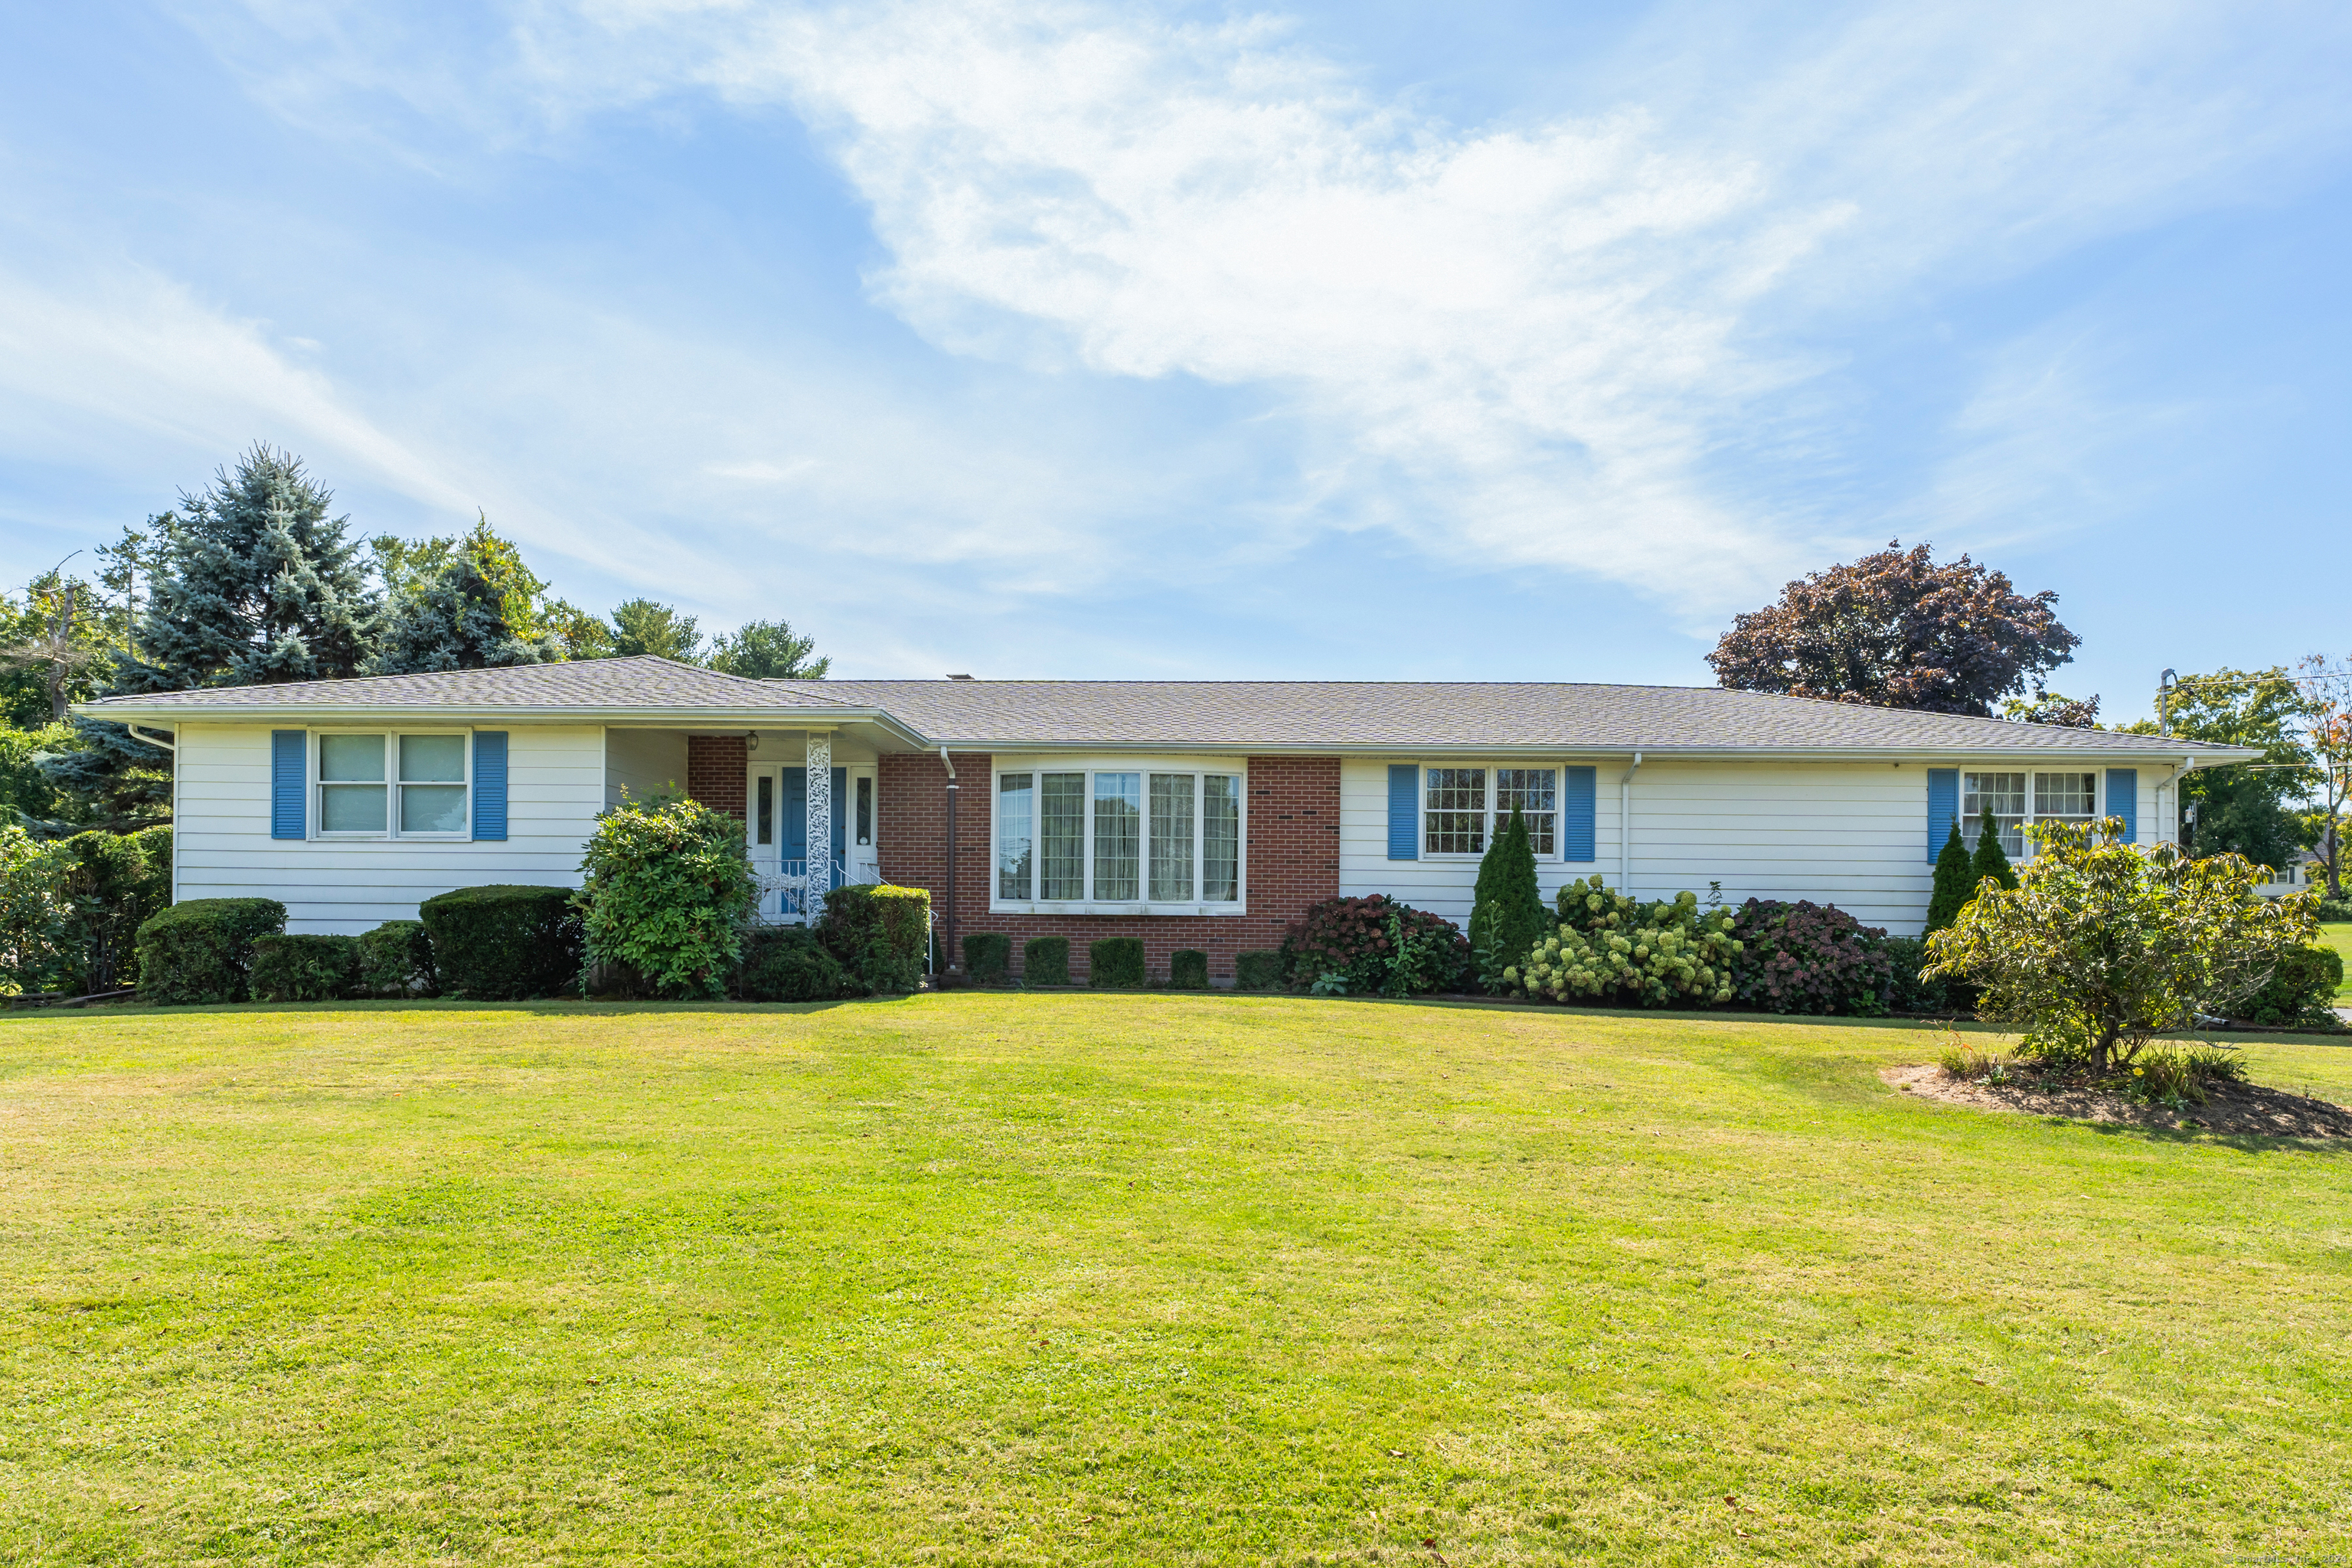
[{"x": 1377, "y": 339}]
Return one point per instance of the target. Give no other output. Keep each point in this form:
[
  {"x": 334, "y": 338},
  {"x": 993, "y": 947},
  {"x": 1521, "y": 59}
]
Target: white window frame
[
  {"x": 1200, "y": 768},
  {"x": 1495, "y": 819},
  {"x": 1970, "y": 827},
  {"x": 390, "y": 831}
]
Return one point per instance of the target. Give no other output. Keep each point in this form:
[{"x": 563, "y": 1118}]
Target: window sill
[{"x": 1040, "y": 907}]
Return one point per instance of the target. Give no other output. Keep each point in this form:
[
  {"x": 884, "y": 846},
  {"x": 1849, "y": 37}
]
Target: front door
[{"x": 793, "y": 813}]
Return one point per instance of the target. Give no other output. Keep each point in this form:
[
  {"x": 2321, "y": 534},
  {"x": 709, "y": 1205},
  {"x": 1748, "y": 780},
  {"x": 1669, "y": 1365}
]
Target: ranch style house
[{"x": 1193, "y": 814}]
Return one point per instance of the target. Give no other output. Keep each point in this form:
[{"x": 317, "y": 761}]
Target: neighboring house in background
[{"x": 1193, "y": 814}]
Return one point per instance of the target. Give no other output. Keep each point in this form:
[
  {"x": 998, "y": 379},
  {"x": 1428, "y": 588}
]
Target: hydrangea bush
[
  {"x": 1364, "y": 939},
  {"x": 1805, "y": 957},
  {"x": 1620, "y": 952}
]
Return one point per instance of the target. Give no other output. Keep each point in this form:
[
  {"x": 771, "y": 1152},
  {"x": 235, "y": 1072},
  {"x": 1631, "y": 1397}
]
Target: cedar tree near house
[{"x": 1193, "y": 814}]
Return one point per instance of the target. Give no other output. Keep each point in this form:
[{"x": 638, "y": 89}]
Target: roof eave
[{"x": 685, "y": 718}]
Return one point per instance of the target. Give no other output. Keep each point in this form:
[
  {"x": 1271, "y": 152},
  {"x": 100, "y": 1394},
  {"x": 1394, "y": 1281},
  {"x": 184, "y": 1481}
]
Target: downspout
[
  {"x": 949, "y": 958},
  {"x": 172, "y": 745},
  {"x": 1625, "y": 825},
  {"x": 2187, "y": 764}
]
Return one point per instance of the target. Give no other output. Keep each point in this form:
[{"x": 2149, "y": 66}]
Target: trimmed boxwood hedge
[
  {"x": 789, "y": 966},
  {"x": 1046, "y": 960},
  {"x": 396, "y": 961},
  {"x": 304, "y": 968},
  {"x": 878, "y": 933},
  {"x": 503, "y": 941},
  {"x": 1260, "y": 970},
  {"x": 202, "y": 951},
  {"x": 988, "y": 958},
  {"x": 1115, "y": 960},
  {"x": 1188, "y": 968}
]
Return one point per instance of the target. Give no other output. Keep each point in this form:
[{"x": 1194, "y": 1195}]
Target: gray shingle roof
[
  {"x": 1259, "y": 715},
  {"x": 643, "y": 681},
  {"x": 1436, "y": 715}
]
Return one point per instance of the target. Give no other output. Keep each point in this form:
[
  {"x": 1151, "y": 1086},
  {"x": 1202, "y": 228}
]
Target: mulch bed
[{"x": 2237, "y": 1109}]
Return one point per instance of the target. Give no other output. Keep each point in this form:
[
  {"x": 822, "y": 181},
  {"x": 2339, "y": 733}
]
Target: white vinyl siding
[
  {"x": 222, "y": 847},
  {"x": 646, "y": 763}
]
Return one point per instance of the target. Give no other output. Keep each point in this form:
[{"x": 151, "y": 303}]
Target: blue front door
[{"x": 793, "y": 811}]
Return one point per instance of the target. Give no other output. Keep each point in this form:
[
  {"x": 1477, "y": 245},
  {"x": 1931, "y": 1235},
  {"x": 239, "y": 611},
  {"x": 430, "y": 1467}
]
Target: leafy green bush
[
  {"x": 2334, "y": 911},
  {"x": 1356, "y": 938},
  {"x": 789, "y": 965},
  {"x": 202, "y": 951},
  {"x": 2301, "y": 991},
  {"x": 1909, "y": 989},
  {"x": 37, "y": 944},
  {"x": 879, "y": 934},
  {"x": 396, "y": 961},
  {"x": 1046, "y": 960},
  {"x": 1620, "y": 952},
  {"x": 1258, "y": 970},
  {"x": 117, "y": 881},
  {"x": 2184, "y": 1075},
  {"x": 1115, "y": 960},
  {"x": 2102, "y": 945},
  {"x": 504, "y": 941},
  {"x": 988, "y": 958},
  {"x": 668, "y": 893},
  {"x": 1805, "y": 957},
  {"x": 1188, "y": 968},
  {"x": 304, "y": 968},
  {"x": 1507, "y": 915}
]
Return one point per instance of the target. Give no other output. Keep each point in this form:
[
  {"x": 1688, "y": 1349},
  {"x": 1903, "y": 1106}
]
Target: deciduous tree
[{"x": 768, "y": 650}]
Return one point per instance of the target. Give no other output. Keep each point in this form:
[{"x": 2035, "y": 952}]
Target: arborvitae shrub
[
  {"x": 1046, "y": 960},
  {"x": 879, "y": 934},
  {"x": 988, "y": 958},
  {"x": 1507, "y": 915},
  {"x": 1188, "y": 968},
  {"x": 504, "y": 941},
  {"x": 396, "y": 961},
  {"x": 1992, "y": 859},
  {"x": 1956, "y": 883},
  {"x": 304, "y": 968},
  {"x": 202, "y": 951},
  {"x": 789, "y": 965},
  {"x": 1259, "y": 970},
  {"x": 1115, "y": 960}
]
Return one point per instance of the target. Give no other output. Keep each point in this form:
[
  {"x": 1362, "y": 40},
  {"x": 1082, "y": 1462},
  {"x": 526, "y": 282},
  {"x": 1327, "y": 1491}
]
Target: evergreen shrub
[
  {"x": 668, "y": 893},
  {"x": 202, "y": 951},
  {"x": 1046, "y": 960},
  {"x": 504, "y": 941},
  {"x": 988, "y": 958},
  {"x": 878, "y": 933},
  {"x": 789, "y": 965},
  {"x": 1991, "y": 860},
  {"x": 1805, "y": 957},
  {"x": 1507, "y": 915},
  {"x": 1358, "y": 938},
  {"x": 1616, "y": 950},
  {"x": 1956, "y": 882},
  {"x": 396, "y": 961},
  {"x": 1258, "y": 970},
  {"x": 1115, "y": 960},
  {"x": 291, "y": 968},
  {"x": 2301, "y": 991},
  {"x": 116, "y": 882},
  {"x": 1910, "y": 991},
  {"x": 1188, "y": 968}
]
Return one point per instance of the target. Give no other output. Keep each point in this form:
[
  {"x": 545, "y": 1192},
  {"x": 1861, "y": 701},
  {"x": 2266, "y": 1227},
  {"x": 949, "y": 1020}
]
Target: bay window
[
  {"x": 1133, "y": 835},
  {"x": 1463, "y": 808},
  {"x": 392, "y": 786}
]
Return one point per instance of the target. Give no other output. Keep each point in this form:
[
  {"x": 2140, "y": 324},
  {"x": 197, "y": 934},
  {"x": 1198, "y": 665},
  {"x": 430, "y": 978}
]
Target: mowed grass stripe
[{"x": 1032, "y": 1279}]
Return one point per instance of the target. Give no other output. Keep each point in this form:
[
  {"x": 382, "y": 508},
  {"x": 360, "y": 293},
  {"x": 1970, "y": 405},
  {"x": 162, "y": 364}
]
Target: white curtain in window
[
  {"x": 1014, "y": 801},
  {"x": 1062, "y": 836},
  {"x": 1119, "y": 837},
  {"x": 1171, "y": 837},
  {"x": 1220, "y": 837}
]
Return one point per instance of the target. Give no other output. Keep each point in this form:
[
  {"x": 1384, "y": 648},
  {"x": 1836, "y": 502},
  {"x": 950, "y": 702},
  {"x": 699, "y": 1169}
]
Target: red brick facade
[
  {"x": 716, "y": 767},
  {"x": 1293, "y": 852}
]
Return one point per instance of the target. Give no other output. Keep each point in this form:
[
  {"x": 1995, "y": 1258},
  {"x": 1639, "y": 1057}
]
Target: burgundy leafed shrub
[
  {"x": 1807, "y": 957},
  {"x": 1350, "y": 936}
]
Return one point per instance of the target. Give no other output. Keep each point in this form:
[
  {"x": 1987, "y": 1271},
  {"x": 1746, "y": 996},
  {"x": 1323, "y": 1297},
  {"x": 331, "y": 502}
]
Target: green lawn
[
  {"x": 2339, "y": 937},
  {"x": 1058, "y": 1278}
]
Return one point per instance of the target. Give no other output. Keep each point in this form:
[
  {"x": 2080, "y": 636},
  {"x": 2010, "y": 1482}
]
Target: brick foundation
[
  {"x": 1293, "y": 851},
  {"x": 715, "y": 770}
]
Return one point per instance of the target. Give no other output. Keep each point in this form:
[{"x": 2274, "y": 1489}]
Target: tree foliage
[
  {"x": 2327, "y": 692},
  {"x": 2102, "y": 945},
  {"x": 2049, "y": 707},
  {"x": 2241, "y": 810},
  {"x": 455, "y": 621},
  {"x": 768, "y": 650},
  {"x": 1506, "y": 909},
  {"x": 1897, "y": 630},
  {"x": 643, "y": 627}
]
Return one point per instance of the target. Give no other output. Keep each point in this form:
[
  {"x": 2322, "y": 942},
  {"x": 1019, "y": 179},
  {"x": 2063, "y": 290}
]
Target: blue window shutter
[
  {"x": 1576, "y": 814},
  {"x": 290, "y": 756},
  {"x": 2123, "y": 800},
  {"x": 489, "y": 784},
  {"x": 1405, "y": 811},
  {"x": 1943, "y": 809}
]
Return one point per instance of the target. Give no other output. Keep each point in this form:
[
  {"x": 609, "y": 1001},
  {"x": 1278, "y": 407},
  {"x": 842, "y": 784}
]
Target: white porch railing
[{"x": 785, "y": 895}]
